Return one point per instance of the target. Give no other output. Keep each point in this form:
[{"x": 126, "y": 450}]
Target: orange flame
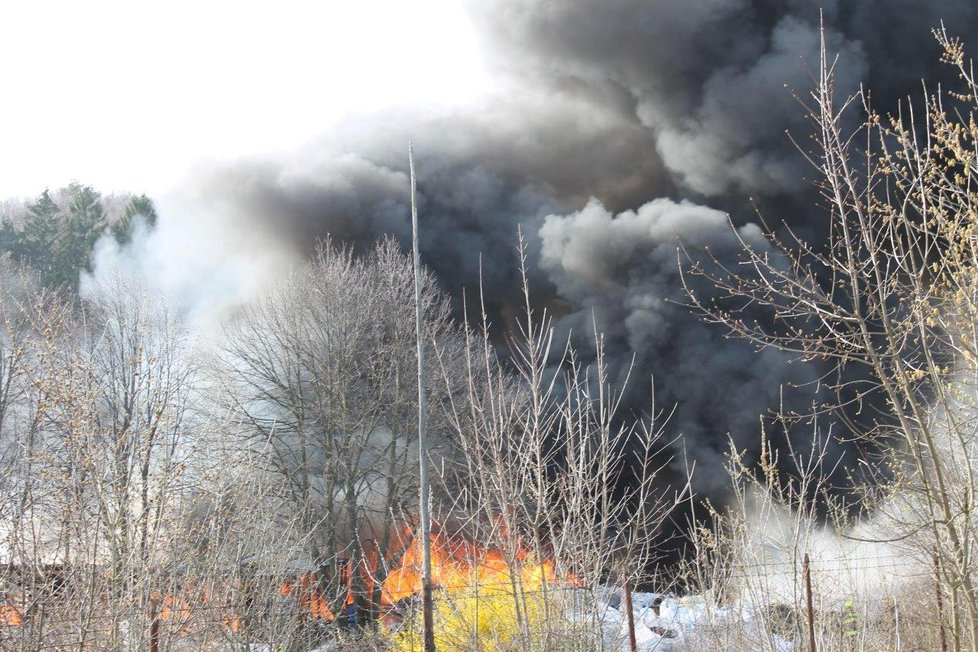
[
  {"x": 10, "y": 615},
  {"x": 311, "y": 599},
  {"x": 182, "y": 608},
  {"x": 458, "y": 564}
]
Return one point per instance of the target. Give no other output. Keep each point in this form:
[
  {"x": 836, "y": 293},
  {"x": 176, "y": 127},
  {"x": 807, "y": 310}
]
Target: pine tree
[
  {"x": 60, "y": 229},
  {"x": 37, "y": 240},
  {"x": 79, "y": 230},
  {"x": 141, "y": 206}
]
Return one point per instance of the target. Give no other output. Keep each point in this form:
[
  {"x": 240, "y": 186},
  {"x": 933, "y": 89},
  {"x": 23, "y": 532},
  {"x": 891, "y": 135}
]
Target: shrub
[{"x": 486, "y": 619}]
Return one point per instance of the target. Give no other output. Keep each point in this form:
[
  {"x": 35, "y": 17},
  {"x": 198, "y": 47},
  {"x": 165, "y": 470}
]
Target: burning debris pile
[
  {"x": 457, "y": 565},
  {"x": 481, "y": 591}
]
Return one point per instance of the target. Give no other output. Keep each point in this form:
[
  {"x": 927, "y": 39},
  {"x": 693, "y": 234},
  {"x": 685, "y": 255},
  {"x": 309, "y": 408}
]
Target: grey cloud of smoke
[
  {"x": 200, "y": 265},
  {"x": 481, "y": 177},
  {"x": 707, "y": 78},
  {"x": 620, "y": 273},
  {"x": 734, "y": 138},
  {"x": 623, "y": 101}
]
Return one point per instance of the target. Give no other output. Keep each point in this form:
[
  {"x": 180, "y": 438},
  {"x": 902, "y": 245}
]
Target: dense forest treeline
[{"x": 55, "y": 233}]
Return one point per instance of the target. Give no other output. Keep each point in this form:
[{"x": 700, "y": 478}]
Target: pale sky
[{"x": 128, "y": 95}]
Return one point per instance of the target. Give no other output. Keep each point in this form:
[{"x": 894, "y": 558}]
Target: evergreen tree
[
  {"x": 78, "y": 232},
  {"x": 59, "y": 231},
  {"x": 138, "y": 206},
  {"x": 37, "y": 240},
  {"x": 9, "y": 238}
]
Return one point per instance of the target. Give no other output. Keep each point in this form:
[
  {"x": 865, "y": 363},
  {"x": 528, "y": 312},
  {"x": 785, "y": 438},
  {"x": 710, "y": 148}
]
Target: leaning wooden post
[
  {"x": 426, "y": 596},
  {"x": 806, "y": 571}
]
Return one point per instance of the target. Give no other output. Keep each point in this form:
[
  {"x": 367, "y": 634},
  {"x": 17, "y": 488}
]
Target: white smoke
[{"x": 195, "y": 259}]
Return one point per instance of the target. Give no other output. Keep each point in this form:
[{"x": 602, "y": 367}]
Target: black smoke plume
[{"x": 621, "y": 127}]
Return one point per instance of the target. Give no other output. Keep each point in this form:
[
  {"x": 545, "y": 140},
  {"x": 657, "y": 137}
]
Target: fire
[
  {"x": 10, "y": 615},
  {"x": 311, "y": 599},
  {"x": 196, "y": 601},
  {"x": 457, "y": 565},
  {"x": 175, "y": 608}
]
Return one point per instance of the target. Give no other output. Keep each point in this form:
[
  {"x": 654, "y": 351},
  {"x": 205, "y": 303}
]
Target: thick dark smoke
[
  {"x": 669, "y": 114},
  {"x": 620, "y": 274}
]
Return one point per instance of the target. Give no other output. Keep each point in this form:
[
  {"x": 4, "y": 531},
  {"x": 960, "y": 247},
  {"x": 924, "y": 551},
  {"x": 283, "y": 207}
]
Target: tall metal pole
[{"x": 426, "y": 596}]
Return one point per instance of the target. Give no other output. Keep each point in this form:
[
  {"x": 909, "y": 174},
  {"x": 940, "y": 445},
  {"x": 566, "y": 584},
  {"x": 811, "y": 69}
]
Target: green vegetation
[{"x": 55, "y": 234}]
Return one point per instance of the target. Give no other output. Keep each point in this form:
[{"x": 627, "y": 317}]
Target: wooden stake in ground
[
  {"x": 632, "y": 643},
  {"x": 426, "y": 596},
  {"x": 806, "y": 571},
  {"x": 940, "y": 602},
  {"x": 154, "y": 625}
]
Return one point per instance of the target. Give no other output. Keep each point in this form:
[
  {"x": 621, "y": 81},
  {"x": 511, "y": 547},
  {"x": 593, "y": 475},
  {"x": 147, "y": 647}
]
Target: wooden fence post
[
  {"x": 940, "y": 601},
  {"x": 806, "y": 570},
  {"x": 632, "y": 642},
  {"x": 154, "y": 624}
]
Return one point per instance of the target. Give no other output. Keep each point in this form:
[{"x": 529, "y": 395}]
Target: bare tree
[
  {"x": 139, "y": 362},
  {"x": 102, "y": 443},
  {"x": 889, "y": 307},
  {"x": 322, "y": 374},
  {"x": 550, "y": 475},
  {"x": 31, "y": 320}
]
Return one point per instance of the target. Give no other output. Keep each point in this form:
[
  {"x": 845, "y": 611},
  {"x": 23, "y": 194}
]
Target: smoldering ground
[{"x": 619, "y": 130}]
